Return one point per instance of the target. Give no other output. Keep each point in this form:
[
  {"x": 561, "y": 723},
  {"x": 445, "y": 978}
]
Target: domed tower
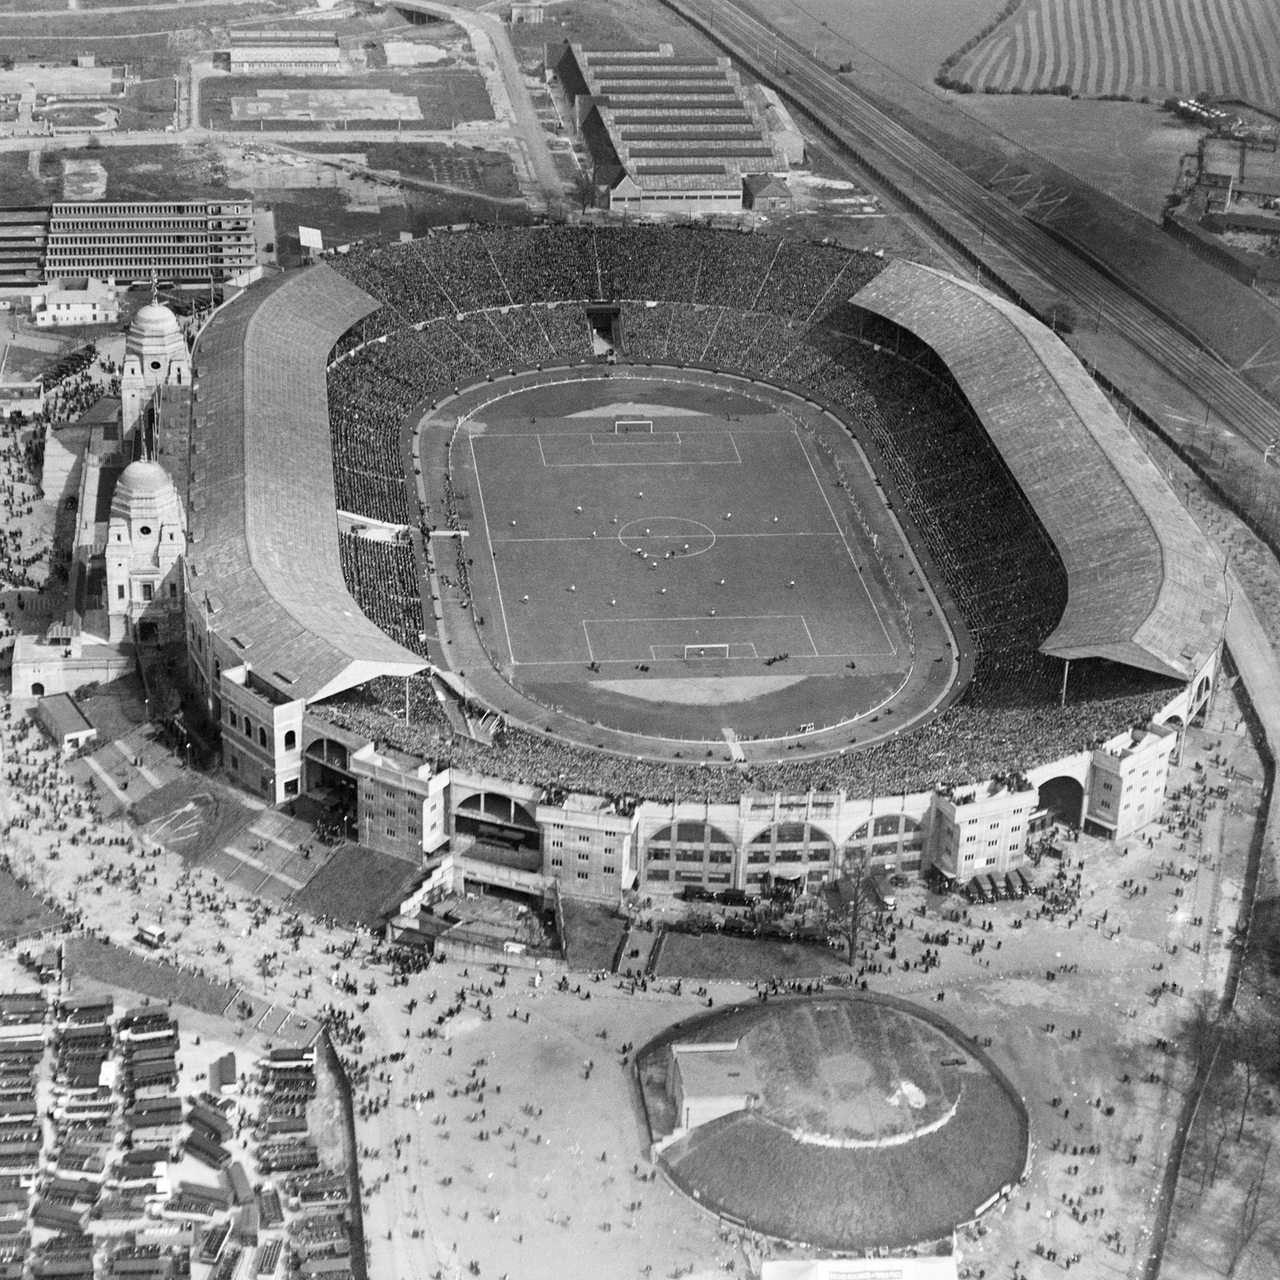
[
  {"x": 155, "y": 355},
  {"x": 145, "y": 541}
]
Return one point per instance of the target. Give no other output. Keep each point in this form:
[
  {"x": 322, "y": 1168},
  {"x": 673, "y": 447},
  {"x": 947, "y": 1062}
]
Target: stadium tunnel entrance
[
  {"x": 606, "y": 330},
  {"x": 1062, "y": 798},
  {"x": 495, "y": 828},
  {"x": 327, "y": 780}
]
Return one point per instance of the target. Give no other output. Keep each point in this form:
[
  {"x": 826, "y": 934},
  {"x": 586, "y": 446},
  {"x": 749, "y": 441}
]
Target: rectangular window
[
  {"x": 582, "y": 875},
  {"x": 557, "y": 862},
  {"x": 609, "y": 869},
  {"x": 120, "y": 591},
  {"x": 148, "y": 591},
  {"x": 584, "y": 857}
]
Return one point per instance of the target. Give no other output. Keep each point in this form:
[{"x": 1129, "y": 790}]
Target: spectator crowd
[{"x": 464, "y": 306}]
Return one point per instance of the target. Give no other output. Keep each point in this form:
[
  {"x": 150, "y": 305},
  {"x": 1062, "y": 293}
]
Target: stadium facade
[{"x": 273, "y": 632}]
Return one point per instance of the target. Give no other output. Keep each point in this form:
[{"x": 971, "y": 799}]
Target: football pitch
[{"x": 641, "y": 548}]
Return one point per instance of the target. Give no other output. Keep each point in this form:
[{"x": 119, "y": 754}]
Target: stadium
[{"x": 956, "y": 568}]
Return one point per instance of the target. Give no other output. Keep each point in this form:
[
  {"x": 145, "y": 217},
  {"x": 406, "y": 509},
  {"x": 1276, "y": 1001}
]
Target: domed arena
[{"x": 842, "y": 1121}]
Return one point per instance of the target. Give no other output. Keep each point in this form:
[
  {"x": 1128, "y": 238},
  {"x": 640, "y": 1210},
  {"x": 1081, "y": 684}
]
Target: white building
[
  {"x": 1127, "y": 781},
  {"x": 85, "y": 300},
  {"x": 155, "y": 355},
  {"x": 982, "y": 831},
  {"x": 143, "y": 557}
]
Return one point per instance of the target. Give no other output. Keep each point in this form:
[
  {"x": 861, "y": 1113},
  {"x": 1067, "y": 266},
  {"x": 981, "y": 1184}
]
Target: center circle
[{"x": 657, "y": 537}]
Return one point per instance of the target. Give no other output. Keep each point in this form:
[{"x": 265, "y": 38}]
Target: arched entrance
[
  {"x": 37, "y": 689},
  {"x": 1063, "y": 798}
]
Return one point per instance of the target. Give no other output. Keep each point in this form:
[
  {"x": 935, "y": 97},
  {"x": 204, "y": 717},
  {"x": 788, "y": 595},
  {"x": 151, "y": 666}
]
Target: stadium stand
[{"x": 458, "y": 307}]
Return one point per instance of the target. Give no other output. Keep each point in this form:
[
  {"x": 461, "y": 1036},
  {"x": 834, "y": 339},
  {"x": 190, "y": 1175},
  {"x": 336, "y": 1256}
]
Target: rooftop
[
  {"x": 263, "y": 554},
  {"x": 1144, "y": 586}
]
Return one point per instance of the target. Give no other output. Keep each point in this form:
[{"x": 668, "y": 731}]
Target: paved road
[{"x": 489, "y": 36}]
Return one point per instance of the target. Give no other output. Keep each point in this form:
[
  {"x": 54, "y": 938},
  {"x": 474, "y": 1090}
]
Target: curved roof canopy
[
  {"x": 263, "y": 553},
  {"x": 1144, "y": 585}
]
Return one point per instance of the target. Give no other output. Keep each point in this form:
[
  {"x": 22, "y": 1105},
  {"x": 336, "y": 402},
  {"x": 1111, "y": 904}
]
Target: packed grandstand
[{"x": 459, "y": 307}]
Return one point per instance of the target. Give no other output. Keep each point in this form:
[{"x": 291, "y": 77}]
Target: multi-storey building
[
  {"x": 1127, "y": 781},
  {"x": 190, "y": 241},
  {"x": 981, "y": 831}
]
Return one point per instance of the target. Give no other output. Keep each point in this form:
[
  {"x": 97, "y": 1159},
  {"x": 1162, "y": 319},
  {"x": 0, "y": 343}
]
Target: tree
[
  {"x": 584, "y": 187},
  {"x": 1252, "y": 1042},
  {"x": 1202, "y": 1029},
  {"x": 857, "y": 903}
]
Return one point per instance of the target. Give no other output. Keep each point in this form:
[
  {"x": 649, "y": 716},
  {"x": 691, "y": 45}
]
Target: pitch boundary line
[
  {"x": 848, "y": 550},
  {"x": 493, "y": 560}
]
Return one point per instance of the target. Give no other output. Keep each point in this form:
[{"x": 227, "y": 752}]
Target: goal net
[
  {"x": 633, "y": 426},
  {"x": 706, "y": 651}
]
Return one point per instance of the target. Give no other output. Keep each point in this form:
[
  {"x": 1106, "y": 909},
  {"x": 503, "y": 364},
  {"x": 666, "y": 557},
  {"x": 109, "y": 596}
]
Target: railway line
[{"x": 980, "y": 221}]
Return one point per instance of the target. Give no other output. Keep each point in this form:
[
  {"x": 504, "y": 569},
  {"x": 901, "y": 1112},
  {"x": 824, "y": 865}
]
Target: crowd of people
[
  {"x": 463, "y": 306},
  {"x": 382, "y": 576}
]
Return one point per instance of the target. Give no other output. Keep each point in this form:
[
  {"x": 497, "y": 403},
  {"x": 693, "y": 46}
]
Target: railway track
[{"x": 979, "y": 220}]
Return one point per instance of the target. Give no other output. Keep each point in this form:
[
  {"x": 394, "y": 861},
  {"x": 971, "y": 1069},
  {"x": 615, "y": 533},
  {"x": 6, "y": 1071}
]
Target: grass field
[
  {"x": 700, "y": 563},
  {"x": 1134, "y": 47},
  {"x": 21, "y": 912},
  {"x": 105, "y": 962},
  {"x": 592, "y": 935},
  {"x": 719, "y": 957}
]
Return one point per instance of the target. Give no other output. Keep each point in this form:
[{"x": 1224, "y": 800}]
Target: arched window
[
  {"x": 262, "y": 736},
  {"x": 290, "y": 740}
]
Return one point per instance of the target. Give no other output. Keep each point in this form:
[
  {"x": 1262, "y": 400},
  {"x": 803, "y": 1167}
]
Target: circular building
[{"x": 843, "y": 1121}]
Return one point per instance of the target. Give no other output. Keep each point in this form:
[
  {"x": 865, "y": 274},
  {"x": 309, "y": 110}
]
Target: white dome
[
  {"x": 155, "y": 337},
  {"x": 145, "y": 494},
  {"x": 154, "y": 321}
]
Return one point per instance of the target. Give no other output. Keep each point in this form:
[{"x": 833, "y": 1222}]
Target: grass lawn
[
  {"x": 21, "y": 912},
  {"x": 357, "y": 886},
  {"x": 592, "y": 935},
  {"x": 718, "y": 957},
  {"x": 859, "y": 1197},
  {"x": 105, "y": 962},
  {"x": 608, "y": 556}
]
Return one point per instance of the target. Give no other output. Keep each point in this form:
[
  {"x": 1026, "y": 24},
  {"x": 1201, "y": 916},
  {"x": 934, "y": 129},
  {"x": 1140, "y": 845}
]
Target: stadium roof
[
  {"x": 1144, "y": 586},
  {"x": 263, "y": 553}
]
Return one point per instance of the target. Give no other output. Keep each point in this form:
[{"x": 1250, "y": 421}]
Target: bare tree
[
  {"x": 1247, "y": 1224},
  {"x": 1252, "y": 1042},
  {"x": 858, "y": 902},
  {"x": 1202, "y": 1029}
]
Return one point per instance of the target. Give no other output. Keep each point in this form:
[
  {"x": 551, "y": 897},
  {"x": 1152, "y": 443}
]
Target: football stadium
[{"x": 716, "y": 551}]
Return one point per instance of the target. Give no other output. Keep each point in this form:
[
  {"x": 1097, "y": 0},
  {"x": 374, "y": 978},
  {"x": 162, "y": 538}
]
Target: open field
[
  {"x": 676, "y": 580},
  {"x": 21, "y": 912},
  {"x": 592, "y": 934},
  {"x": 720, "y": 957},
  {"x": 444, "y": 96},
  {"x": 1139, "y": 47},
  {"x": 106, "y": 962},
  {"x": 907, "y": 38}
]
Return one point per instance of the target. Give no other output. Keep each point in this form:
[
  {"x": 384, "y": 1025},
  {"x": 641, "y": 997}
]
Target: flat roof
[
  {"x": 60, "y": 712},
  {"x": 1144, "y": 585},
  {"x": 263, "y": 555}
]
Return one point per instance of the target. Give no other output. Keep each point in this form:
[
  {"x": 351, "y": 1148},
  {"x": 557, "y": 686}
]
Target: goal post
[
  {"x": 633, "y": 426},
  {"x": 706, "y": 651}
]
